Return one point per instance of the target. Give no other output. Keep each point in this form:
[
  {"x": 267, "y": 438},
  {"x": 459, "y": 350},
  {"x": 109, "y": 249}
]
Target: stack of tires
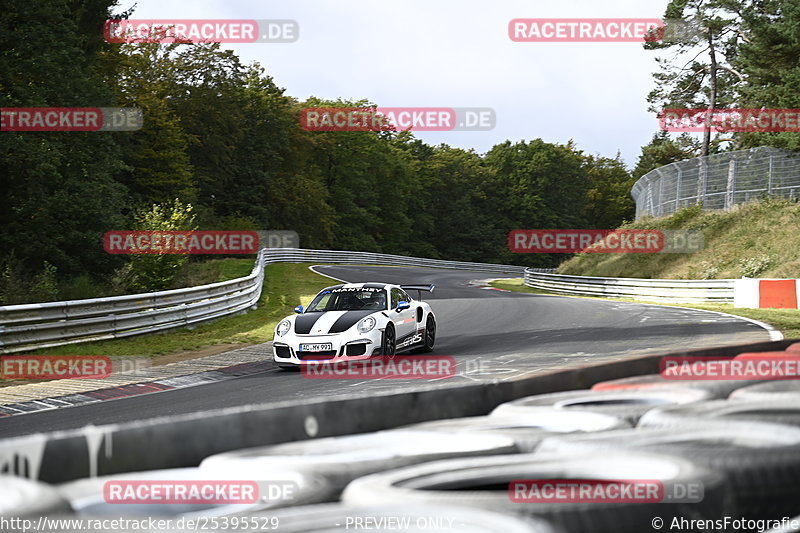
[{"x": 735, "y": 444}]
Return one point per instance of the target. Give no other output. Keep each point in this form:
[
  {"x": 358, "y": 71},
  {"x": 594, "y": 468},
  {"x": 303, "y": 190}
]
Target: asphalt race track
[{"x": 493, "y": 335}]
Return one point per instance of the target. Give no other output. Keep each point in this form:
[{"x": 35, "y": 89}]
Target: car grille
[
  {"x": 356, "y": 349},
  {"x": 310, "y": 356},
  {"x": 283, "y": 351}
]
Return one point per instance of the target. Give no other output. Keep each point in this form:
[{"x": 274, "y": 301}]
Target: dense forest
[{"x": 222, "y": 148}]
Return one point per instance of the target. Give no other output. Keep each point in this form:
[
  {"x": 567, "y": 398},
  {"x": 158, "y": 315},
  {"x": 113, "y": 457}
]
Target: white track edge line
[{"x": 312, "y": 267}]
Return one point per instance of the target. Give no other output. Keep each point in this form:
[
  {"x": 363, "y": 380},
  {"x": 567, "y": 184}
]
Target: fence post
[
  {"x": 678, "y": 188},
  {"x": 731, "y": 189},
  {"x": 769, "y": 183},
  {"x": 701, "y": 182}
]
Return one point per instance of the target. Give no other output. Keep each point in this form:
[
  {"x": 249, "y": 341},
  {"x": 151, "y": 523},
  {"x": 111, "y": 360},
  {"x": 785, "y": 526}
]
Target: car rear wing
[
  {"x": 426, "y": 288},
  {"x": 418, "y": 288}
]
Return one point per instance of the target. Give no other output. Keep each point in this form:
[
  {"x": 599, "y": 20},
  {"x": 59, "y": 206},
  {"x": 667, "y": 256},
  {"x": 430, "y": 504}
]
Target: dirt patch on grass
[{"x": 186, "y": 355}]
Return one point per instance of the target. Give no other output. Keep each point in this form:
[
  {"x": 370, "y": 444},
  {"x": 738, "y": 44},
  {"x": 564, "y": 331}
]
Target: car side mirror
[
  {"x": 298, "y": 309},
  {"x": 402, "y": 306}
]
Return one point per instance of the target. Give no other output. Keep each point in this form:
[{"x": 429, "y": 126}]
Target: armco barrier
[
  {"x": 185, "y": 440},
  {"x": 660, "y": 290},
  {"x": 34, "y": 326}
]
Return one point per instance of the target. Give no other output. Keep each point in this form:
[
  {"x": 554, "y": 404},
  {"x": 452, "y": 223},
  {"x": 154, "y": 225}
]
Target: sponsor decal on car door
[{"x": 405, "y": 322}]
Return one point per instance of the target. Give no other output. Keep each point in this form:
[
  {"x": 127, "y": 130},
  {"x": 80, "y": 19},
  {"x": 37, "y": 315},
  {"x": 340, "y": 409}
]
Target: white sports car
[{"x": 355, "y": 321}]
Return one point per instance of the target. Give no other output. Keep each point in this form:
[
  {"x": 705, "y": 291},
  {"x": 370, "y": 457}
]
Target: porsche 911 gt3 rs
[{"x": 355, "y": 321}]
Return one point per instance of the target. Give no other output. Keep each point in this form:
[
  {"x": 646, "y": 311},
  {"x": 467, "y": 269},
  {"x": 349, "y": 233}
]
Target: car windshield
[{"x": 349, "y": 299}]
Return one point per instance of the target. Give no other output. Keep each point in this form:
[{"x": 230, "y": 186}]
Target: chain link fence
[{"x": 718, "y": 181}]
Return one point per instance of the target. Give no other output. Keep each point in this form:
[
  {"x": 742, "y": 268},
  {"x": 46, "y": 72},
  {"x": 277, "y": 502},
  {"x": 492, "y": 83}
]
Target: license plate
[{"x": 316, "y": 347}]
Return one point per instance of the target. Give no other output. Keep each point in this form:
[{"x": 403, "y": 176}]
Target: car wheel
[
  {"x": 389, "y": 343},
  {"x": 430, "y": 336}
]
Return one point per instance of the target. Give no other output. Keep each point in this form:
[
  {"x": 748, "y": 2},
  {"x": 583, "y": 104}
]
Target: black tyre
[
  {"x": 339, "y": 460},
  {"x": 87, "y": 497},
  {"x": 25, "y": 497},
  {"x": 484, "y": 483},
  {"x": 791, "y": 527},
  {"x": 530, "y": 429},
  {"x": 788, "y": 390},
  {"x": 417, "y": 519},
  {"x": 719, "y": 389},
  {"x": 388, "y": 342},
  {"x": 630, "y": 405},
  {"x": 708, "y": 414},
  {"x": 429, "y": 339},
  {"x": 762, "y": 461}
]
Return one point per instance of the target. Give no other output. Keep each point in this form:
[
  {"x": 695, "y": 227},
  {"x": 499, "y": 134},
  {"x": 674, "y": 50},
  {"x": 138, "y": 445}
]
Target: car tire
[
  {"x": 530, "y": 429},
  {"x": 784, "y": 390},
  {"x": 630, "y": 405},
  {"x": 792, "y": 526},
  {"x": 417, "y": 519},
  {"x": 723, "y": 411},
  {"x": 26, "y": 498},
  {"x": 341, "y": 459},
  {"x": 388, "y": 342},
  {"x": 429, "y": 339},
  {"x": 719, "y": 389},
  {"x": 761, "y": 460},
  {"x": 86, "y": 496},
  {"x": 485, "y": 482}
]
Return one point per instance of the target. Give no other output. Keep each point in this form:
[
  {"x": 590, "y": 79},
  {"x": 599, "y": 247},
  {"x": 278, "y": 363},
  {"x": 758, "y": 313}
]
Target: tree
[
  {"x": 663, "y": 150},
  {"x": 60, "y": 189},
  {"x": 155, "y": 272},
  {"x": 537, "y": 185},
  {"x": 768, "y": 59},
  {"x": 368, "y": 178},
  {"x": 454, "y": 213},
  {"x": 158, "y": 165},
  {"x": 686, "y": 82},
  {"x": 609, "y": 198}
]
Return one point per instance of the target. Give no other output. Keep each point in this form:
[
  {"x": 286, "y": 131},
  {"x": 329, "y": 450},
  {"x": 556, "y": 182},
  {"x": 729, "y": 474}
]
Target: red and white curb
[
  {"x": 28, "y": 398},
  {"x": 485, "y": 284}
]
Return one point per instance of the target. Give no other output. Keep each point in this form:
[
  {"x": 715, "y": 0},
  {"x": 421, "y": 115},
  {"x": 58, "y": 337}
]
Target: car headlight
[
  {"x": 283, "y": 328},
  {"x": 366, "y": 325}
]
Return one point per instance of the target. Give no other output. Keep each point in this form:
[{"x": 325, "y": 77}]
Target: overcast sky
[{"x": 457, "y": 53}]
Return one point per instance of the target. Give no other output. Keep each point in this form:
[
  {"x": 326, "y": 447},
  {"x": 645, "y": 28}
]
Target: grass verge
[
  {"x": 286, "y": 285},
  {"x": 757, "y": 240},
  {"x": 787, "y": 321}
]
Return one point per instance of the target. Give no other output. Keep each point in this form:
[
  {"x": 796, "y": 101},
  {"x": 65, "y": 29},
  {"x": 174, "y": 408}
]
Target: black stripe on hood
[
  {"x": 305, "y": 321},
  {"x": 346, "y": 321}
]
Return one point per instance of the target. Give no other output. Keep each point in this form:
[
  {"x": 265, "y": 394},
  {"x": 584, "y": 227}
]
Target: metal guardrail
[
  {"x": 35, "y": 326},
  {"x": 659, "y": 290},
  {"x": 718, "y": 181}
]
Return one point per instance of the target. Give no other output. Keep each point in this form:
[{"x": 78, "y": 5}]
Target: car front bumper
[{"x": 286, "y": 350}]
